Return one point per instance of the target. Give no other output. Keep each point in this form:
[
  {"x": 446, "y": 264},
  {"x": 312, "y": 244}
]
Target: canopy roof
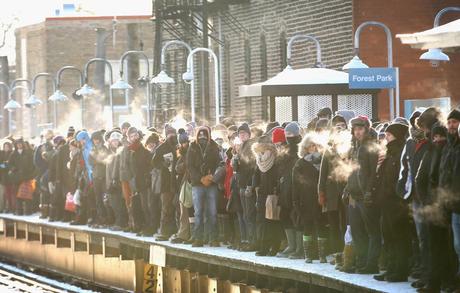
[{"x": 443, "y": 36}]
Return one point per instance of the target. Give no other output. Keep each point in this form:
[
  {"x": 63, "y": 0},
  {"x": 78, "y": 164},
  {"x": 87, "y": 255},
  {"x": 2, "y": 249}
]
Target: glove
[
  {"x": 206, "y": 180},
  {"x": 322, "y": 198},
  {"x": 51, "y": 187}
]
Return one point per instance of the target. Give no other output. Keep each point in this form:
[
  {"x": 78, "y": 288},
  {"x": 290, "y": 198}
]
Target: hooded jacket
[
  {"x": 166, "y": 167},
  {"x": 86, "y": 152},
  {"x": 202, "y": 161}
]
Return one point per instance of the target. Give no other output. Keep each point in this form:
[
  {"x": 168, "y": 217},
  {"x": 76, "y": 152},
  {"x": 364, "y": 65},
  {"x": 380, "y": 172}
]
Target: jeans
[
  {"x": 423, "y": 238},
  {"x": 249, "y": 213},
  {"x": 168, "y": 215},
  {"x": 205, "y": 206},
  {"x": 99, "y": 190},
  {"x": 456, "y": 234}
]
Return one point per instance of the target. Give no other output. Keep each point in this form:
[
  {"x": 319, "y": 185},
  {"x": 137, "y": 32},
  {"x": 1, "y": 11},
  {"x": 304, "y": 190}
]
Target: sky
[{"x": 25, "y": 12}]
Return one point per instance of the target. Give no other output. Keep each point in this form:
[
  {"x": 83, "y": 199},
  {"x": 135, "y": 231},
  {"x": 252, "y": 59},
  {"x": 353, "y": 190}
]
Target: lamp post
[
  {"x": 188, "y": 76},
  {"x": 435, "y": 55},
  {"x": 121, "y": 84},
  {"x": 33, "y": 100},
  {"x": 12, "y": 104},
  {"x": 301, "y": 37},
  {"x": 357, "y": 63},
  {"x": 4, "y": 85},
  {"x": 86, "y": 90},
  {"x": 59, "y": 95},
  {"x": 163, "y": 78}
]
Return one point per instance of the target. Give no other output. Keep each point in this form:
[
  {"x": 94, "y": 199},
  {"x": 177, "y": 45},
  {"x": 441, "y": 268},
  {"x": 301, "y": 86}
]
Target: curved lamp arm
[
  {"x": 14, "y": 82},
  {"x": 301, "y": 37},
  {"x": 91, "y": 61},
  {"x": 42, "y": 74},
  {"x": 73, "y": 68},
  {"x": 7, "y": 87},
  {"x": 167, "y": 45},
  {"x": 13, "y": 90},
  {"x": 139, "y": 53},
  {"x": 437, "y": 18},
  {"x": 388, "y": 35}
]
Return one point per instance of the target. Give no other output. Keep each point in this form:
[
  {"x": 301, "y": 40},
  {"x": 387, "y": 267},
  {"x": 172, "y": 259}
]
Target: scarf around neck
[{"x": 265, "y": 160}]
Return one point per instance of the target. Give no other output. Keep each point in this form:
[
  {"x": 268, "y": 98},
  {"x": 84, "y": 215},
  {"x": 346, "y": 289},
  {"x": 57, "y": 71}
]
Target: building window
[{"x": 263, "y": 57}]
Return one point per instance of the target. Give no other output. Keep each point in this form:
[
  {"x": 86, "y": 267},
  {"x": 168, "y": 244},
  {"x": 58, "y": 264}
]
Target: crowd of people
[{"x": 377, "y": 197}]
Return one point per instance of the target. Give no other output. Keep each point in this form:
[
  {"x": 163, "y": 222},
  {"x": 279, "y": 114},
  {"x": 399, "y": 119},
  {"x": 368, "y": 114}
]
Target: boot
[
  {"x": 348, "y": 259},
  {"x": 322, "y": 242},
  {"x": 308, "y": 248},
  {"x": 298, "y": 253},
  {"x": 291, "y": 240},
  {"x": 44, "y": 210}
]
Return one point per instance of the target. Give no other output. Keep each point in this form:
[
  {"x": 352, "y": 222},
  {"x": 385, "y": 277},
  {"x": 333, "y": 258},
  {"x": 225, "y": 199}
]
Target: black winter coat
[
  {"x": 427, "y": 180},
  {"x": 140, "y": 166},
  {"x": 305, "y": 178},
  {"x": 244, "y": 164},
  {"x": 361, "y": 180},
  {"x": 202, "y": 162},
  {"x": 384, "y": 190},
  {"x": 21, "y": 168},
  {"x": 331, "y": 187},
  {"x": 286, "y": 164}
]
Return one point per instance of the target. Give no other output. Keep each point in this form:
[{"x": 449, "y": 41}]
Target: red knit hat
[{"x": 278, "y": 135}]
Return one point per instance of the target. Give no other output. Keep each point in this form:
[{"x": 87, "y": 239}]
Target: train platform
[{"x": 88, "y": 253}]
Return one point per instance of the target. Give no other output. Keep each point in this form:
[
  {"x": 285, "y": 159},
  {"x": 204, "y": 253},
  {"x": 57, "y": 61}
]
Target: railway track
[{"x": 12, "y": 282}]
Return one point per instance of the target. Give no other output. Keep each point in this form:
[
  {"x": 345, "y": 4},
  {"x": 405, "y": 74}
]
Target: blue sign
[{"x": 372, "y": 78}]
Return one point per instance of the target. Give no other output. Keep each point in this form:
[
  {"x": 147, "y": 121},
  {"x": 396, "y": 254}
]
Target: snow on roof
[
  {"x": 443, "y": 36},
  {"x": 289, "y": 76}
]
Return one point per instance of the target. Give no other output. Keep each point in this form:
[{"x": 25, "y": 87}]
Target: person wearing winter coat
[
  {"x": 243, "y": 164},
  {"x": 440, "y": 272},
  {"x": 266, "y": 183},
  {"x": 164, "y": 164},
  {"x": 6, "y": 181},
  {"x": 184, "y": 232},
  {"x": 21, "y": 170},
  {"x": 113, "y": 184},
  {"x": 57, "y": 202},
  {"x": 395, "y": 213},
  {"x": 140, "y": 183},
  {"x": 202, "y": 161},
  {"x": 305, "y": 177},
  {"x": 287, "y": 160},
  {"x": 126, "y": 173},
  {"x": 330, "y": 187},
  {"x": 152, "y": 208},
  {"x": 98, "y": 156},
  {"x": 41, "y": 156},
  {"x": 447, "y": 165},
  {"x": 414, "y": 150},
  {"x": 364, "y": 216}
]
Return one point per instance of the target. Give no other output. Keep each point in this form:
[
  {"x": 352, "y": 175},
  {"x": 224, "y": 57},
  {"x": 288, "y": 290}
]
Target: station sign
[{"x": 372, "y": 78}]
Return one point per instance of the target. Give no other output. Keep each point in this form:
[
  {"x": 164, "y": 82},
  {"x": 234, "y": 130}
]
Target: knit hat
[
  {"x": 401, "y": 120},
  {"x": 292, "y": 129},
  {"x": 71, "y": 131},
  {"x": 244, "y": 127},
  {"x": 347, "y": 114},
  {"x": 438, "y": 129},
  {"x": 428, "y": 118},
  {"x": 58, "y": 139},
  {"x": 183, "y": 136},
  {"x": 271, "y": 125},
  {"x": 115, "y": 135},
  {"x": 153, "y": 138},
  {"x": 360, "y": 120},
  {"x": 325, "y": 112},
  {"x": 232, "y": 128},
  {"x": 278, "y": 135},
  {"x": 322, "y": 124},
  {"x": 399, "y": 130},
  {"x": 338, "y": 119},
  {"x": 454, "y": 114}
]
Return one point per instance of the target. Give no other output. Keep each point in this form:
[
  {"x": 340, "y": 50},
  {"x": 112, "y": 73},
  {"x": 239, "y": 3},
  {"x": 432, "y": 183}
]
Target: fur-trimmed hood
[
  {"x": 265, "y": 154},
  {"x": 306, "y": 142},
  {"x": 261, "y": 147}
]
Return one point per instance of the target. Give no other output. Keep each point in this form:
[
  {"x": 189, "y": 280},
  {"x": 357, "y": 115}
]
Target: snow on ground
[{"x": 316, "y": 268}]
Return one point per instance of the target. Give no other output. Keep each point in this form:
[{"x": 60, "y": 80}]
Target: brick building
[
  {"x": 62, "y": 41},
  {"x": 250, "y": 40}
]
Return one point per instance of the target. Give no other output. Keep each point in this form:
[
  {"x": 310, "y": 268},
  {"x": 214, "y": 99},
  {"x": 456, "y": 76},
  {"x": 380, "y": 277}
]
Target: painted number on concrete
[{"x": 150, "y": 279}]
